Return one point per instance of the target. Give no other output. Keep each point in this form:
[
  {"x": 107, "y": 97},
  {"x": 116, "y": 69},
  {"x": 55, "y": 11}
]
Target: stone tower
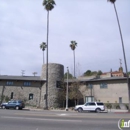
[{"x": 55, "y": 74}]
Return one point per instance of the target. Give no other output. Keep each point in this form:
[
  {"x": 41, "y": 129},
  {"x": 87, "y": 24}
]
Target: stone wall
[{"x": 22, "y": 93}]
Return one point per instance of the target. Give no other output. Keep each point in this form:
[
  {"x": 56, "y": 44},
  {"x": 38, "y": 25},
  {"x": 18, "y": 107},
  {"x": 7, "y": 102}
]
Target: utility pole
[
  {"x": 34, "y": 73},
  {"x": 67, "y": 91},
  {"x": 23, "y": 72}
]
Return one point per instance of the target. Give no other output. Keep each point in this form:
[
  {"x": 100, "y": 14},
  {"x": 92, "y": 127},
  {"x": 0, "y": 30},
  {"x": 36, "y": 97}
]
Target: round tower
[{"x": 55, "y": 75}]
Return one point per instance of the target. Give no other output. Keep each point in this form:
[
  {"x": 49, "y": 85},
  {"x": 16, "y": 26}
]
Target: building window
[
  {"x": 90, "y": 86},
  {"x": 59, "y": 84},
  {"x": 103, "y": 85},
  {"x": 12, "y": 94},
  {"x": 9, "y": 83},
  {"x": 27, "y": 83},
  {"x": 30, "y": 96}
]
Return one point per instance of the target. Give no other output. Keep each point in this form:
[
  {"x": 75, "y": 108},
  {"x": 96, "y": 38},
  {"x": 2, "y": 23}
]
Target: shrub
[
  {"x": 7, "y": 98},
  {"x": 109, "y": 105},
  {"x": 116, "y": 106},
  {"x": 127, "y": 106}
]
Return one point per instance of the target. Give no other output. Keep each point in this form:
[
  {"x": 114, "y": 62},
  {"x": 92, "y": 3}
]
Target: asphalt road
[{"x": 58, "y": 120}]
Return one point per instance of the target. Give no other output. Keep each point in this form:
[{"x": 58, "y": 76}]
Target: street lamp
[{"x": 67, "y": 91}]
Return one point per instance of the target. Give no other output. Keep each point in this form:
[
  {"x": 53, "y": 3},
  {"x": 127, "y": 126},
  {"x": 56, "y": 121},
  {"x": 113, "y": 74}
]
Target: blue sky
[{"x": 91, "y": 23}]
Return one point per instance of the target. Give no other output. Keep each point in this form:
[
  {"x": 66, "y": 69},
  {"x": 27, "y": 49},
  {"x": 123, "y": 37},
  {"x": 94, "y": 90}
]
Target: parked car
[
  {"x": 15, "y": 104},
  {"x": 91, "y": 106}
]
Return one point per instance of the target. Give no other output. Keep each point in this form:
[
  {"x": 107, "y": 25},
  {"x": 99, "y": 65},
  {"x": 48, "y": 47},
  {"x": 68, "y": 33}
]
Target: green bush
[
  {"x": 127, "y": 106},
  {"x": 109, "y": 105},
  {"x": 2, "y": 97},
  {"x": 116, "y": 106},
  {"x": 7, "y": 98}
]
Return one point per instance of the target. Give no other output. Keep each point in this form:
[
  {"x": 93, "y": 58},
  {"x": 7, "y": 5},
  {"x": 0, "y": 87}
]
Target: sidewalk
[
  {"x": 41, "y": 109},
  {"x": 63, "y": 110},
  {"x": 117, "y": 111}
]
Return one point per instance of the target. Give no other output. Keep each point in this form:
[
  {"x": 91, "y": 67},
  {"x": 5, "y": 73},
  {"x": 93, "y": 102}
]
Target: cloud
[{"x": 92, "y": 24}]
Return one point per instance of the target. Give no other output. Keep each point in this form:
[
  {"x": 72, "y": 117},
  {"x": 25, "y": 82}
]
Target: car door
[
  {"x": 9, "y": 105},
  {"x": 87, "y": 106},
  {"x": 14, "y": 104},
  {"x": 90, "y": 106}
]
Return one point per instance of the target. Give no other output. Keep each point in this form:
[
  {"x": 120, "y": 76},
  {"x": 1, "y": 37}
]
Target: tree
[
  {"x": 70, "y": 76},
  {"x": 87, "y": 73},
  {"x": 49, "y": 5},
  {"x": 99, "y": 72},
  {"x": 74, "y": 93},
  {"x": 73, "y": 46},
  {"x": 113, "y": 2},
  {"x": 61, "y": 97},
  {"x": 43, "y": 46},
  {"x": 92, "y": 73}
]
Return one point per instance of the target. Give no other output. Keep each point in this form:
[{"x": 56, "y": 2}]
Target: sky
[{"x": 91, "y": 23}]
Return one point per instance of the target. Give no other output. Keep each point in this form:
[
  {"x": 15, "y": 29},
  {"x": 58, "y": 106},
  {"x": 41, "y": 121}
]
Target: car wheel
[
  {"x": 80, "y": 110},
  {"x": 3, "y": 107},
  {"x": 17, "y": 107},
  {"x": 98, "y": 110}
]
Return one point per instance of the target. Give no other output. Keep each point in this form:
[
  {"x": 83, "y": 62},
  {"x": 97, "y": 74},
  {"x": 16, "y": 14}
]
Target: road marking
[
  {"x": 62, "y": 114},
  {"x": 40, "y": 119},
  {"x": 76, "y": 115}
]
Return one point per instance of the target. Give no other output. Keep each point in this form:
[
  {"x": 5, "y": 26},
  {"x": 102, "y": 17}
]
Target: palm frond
[
  {"x": 112, "y": 1},
  {"x": 44, "y": 2},
  {"x": 49, "y": 4},
  {"x": 43, "y": 46},
  {"x": 73, "y": 45}
]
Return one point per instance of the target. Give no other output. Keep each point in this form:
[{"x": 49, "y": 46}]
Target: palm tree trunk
[
  {"x": 47, "y": 61},
  {"x": 123, "y": 55},
  {"x": 43, "y": 58},
  {"x": 2, "y": 95},
  {"x": 74, "y": 63}
]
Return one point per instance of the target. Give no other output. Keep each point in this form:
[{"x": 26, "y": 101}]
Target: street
[{"x": 58, "y": 120}]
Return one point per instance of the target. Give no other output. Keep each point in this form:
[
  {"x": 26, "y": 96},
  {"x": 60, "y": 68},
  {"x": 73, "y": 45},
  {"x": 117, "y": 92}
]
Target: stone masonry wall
[{"x": 23, "y": 93}]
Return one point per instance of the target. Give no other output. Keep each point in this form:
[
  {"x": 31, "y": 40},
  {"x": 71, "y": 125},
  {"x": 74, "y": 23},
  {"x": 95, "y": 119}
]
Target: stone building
[
  {"x": 32, "y": 89},
  {"x": 55, "y": 75}
]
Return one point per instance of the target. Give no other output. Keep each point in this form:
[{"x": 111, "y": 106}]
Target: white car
[{"x": 91, "y": 106}]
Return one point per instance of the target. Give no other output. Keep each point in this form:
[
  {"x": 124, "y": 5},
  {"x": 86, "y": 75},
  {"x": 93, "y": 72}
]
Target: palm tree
[
  {"x": 43, "y": 46},
  {"x": 113, "y": 2},
  {"x": 49, "y": 5},
  {"x": 73, "y": 46}
]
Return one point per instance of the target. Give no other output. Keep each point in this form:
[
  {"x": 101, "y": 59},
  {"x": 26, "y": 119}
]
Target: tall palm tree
[
  {"x": 113, "y": 2},
  {"x": 73, "y": 46},
  {"x": 43, "y": 47},
  {"x": 49, "y": 5}
]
